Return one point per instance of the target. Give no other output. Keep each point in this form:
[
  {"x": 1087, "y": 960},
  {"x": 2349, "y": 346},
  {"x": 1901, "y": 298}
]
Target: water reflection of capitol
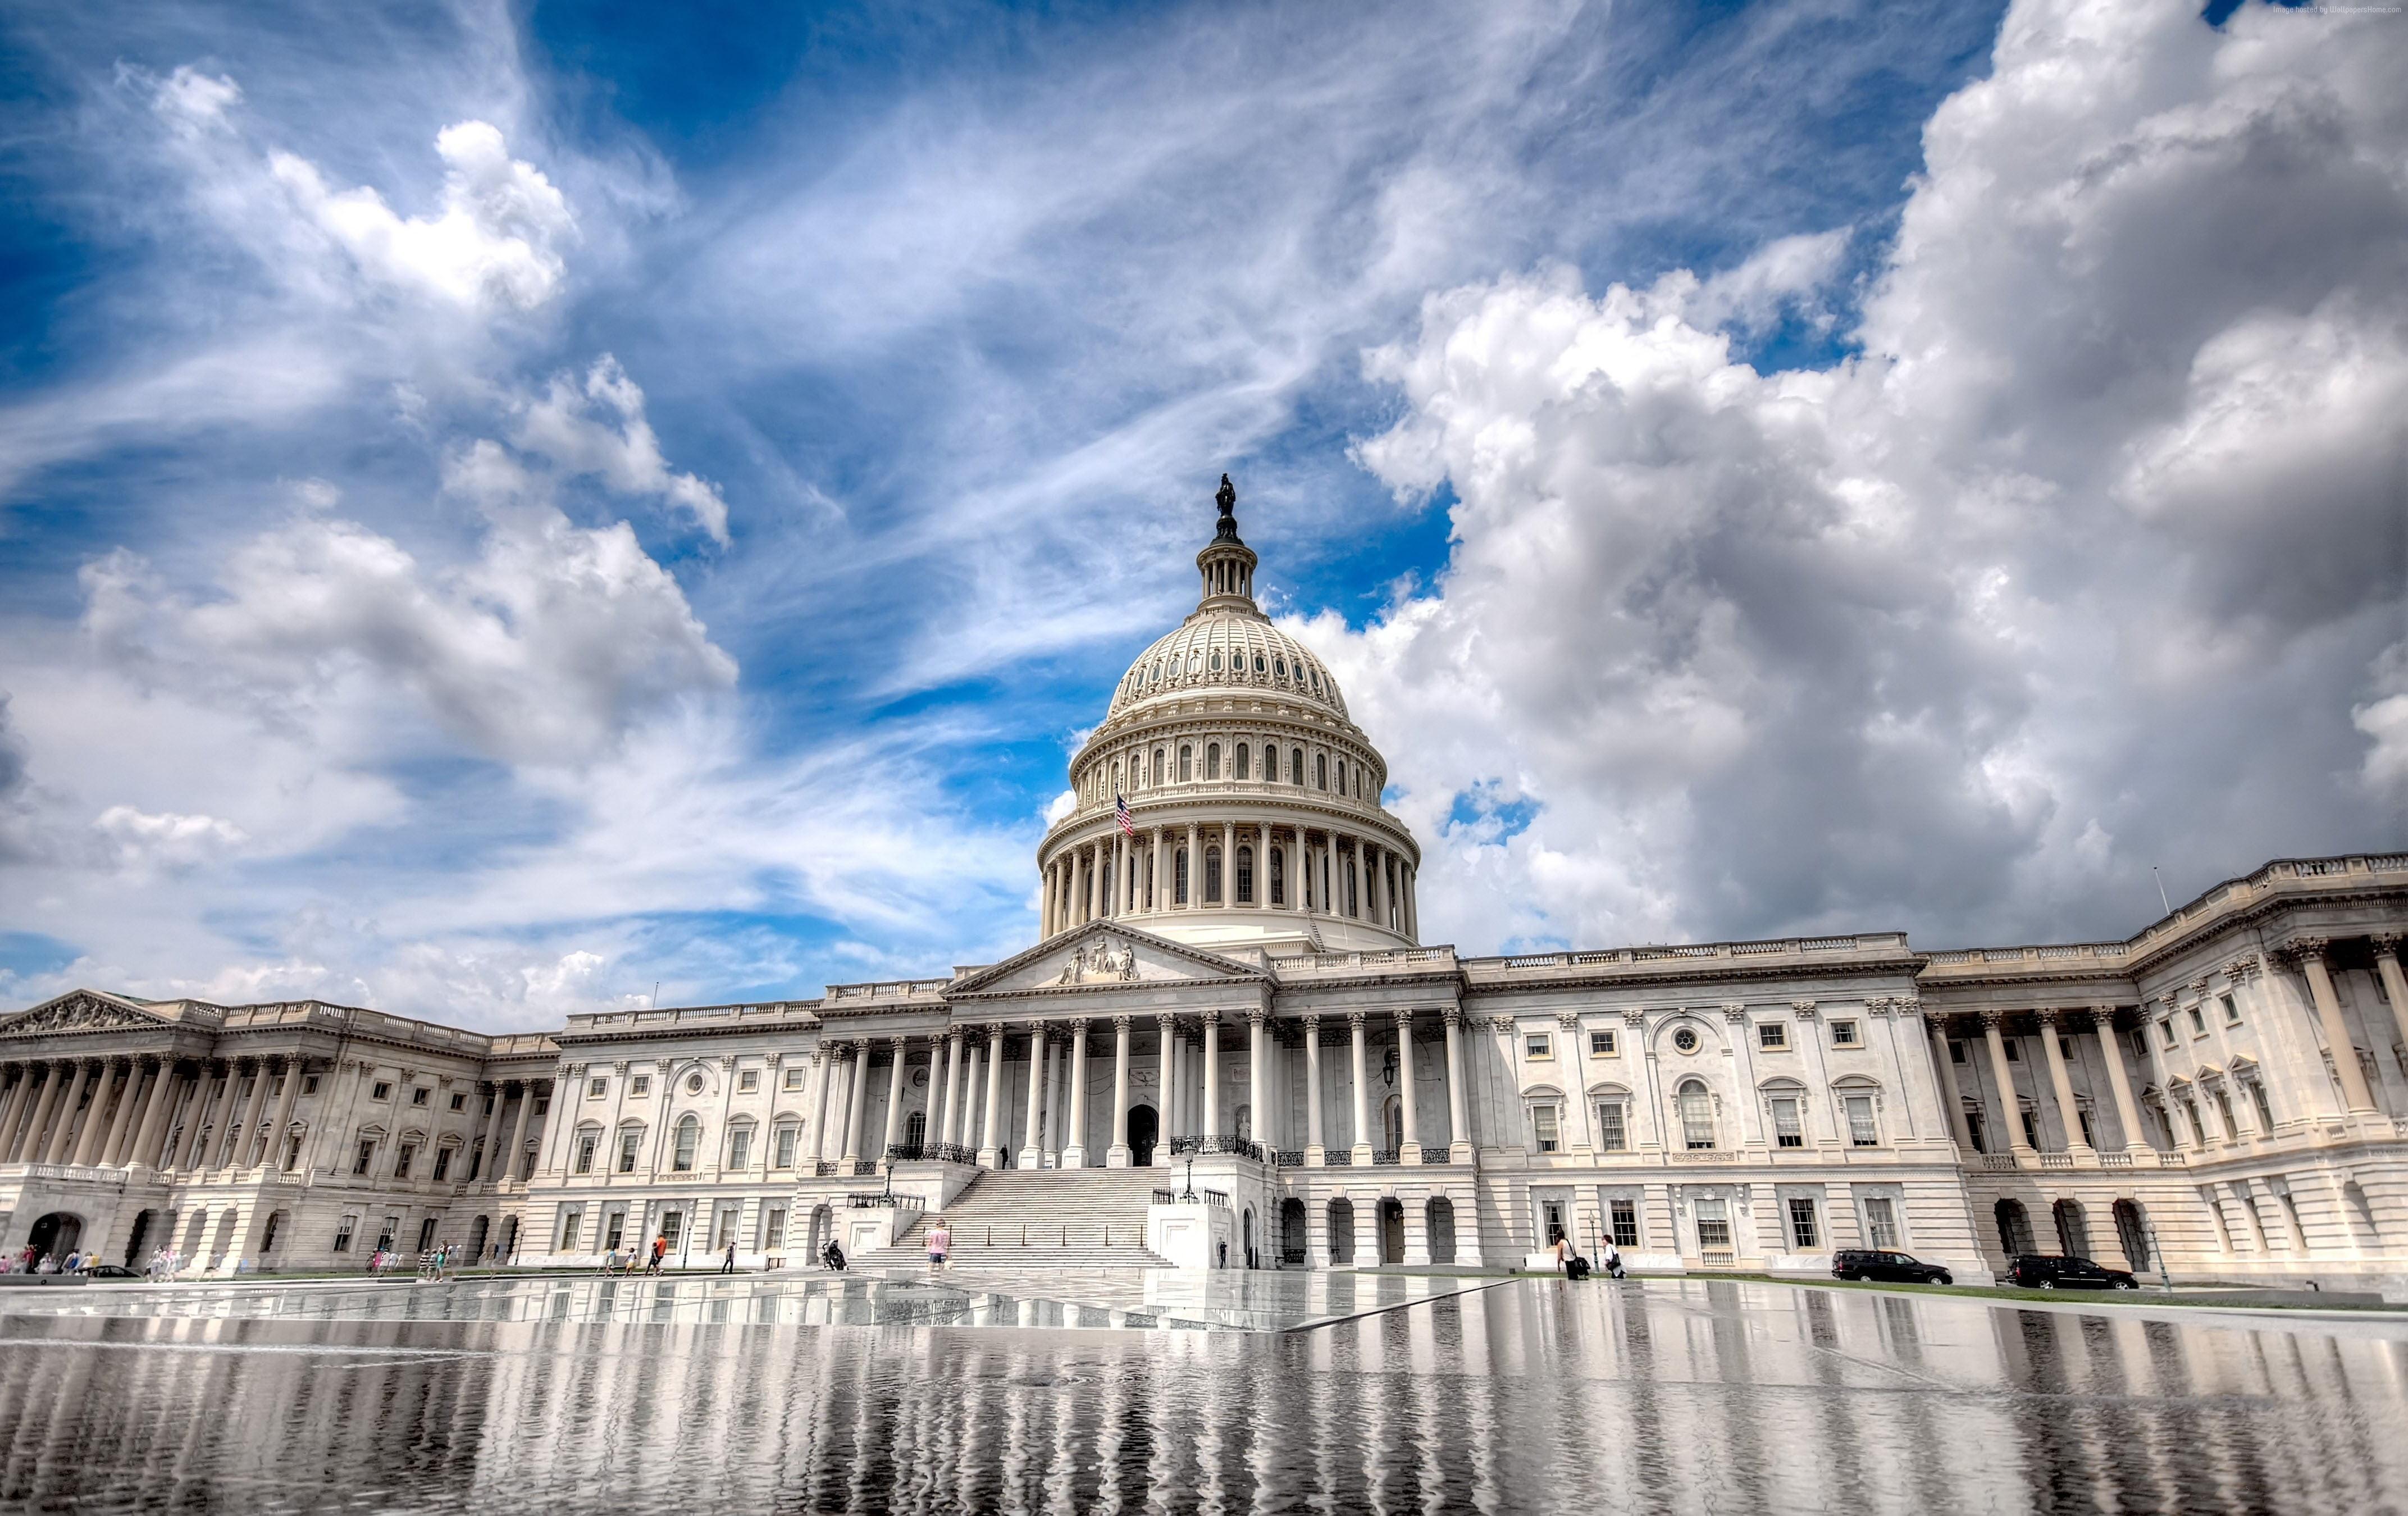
[{"x": 1233, "y": 972}]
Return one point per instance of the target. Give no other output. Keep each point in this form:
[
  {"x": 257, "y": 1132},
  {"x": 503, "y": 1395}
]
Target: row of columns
[
  {"x": 116, "y": 1112},
  {"x": 966, "y": 1103},
  {"x": 2099, "y": 1022},
  {"x": 1346, "y": 875},
  {"x": 495, "y": 1163}
]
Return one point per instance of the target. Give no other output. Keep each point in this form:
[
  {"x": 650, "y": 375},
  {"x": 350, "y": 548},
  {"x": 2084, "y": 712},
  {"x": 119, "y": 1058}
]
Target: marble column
[
  {"x": 488, "y": 1164},
  {"x": 900, "y": 1050},
  {"x": 130, "y": 1107},
  {"x": 824, "y": 1061},
  {"x": 2310, "y": 951},
  {"x": 1045, "y": 908},
  {"x": 1049, "y": 1127},
  {"x": 956, "y": 1050},
  {"x": 1117, "y": 1155},
  {"x": 69, "y": 1119},
  {"x": 248, "y": 1138},
  {"x": 1228, "y": 864},
  {"x": 1412, "y": 1150},
  {"x": 1259, "y": 1076},
  {"x": 1074, "y": 1151},
  {"x": 1213, "y": 1047},
  {"x": 284, "y": 1103},
  {"x": 12, "y": 1101},
  {"x": 2111, "y": 1051},
  {"x": 1356, "y": 901},
  {"x": 510, "y": 1167},
  {"x": 856, "y": 1110},
  {"x": 1458, "y": 1133},
  {"x": 1313, "y": 1151},
  {"x": 107, "y": 1127},
  {"x": 991, "y": 1137},
  {"x": 147, "y": 1137},
  {"x": 2395, "y": 984},
  {"x": 1166, "y": 1111},
  {"x": 1361, "y": 1070},
  {"x": 1031, "y": 1156},
  {"x": 1951, "y": 1093},
  {"x": 2010, "y": 1109},
  {"x": 965, "y": 1133},
  {"x": 47, "y": 1077},
  {"x": 2060, "y": 1084}
]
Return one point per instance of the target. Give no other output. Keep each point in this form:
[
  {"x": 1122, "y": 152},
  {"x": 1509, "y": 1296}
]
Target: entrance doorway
[
  {"x": 1143, "y": 1129},
  {"x": 57, "y": 1232},
  {"x": 134, "y": 1240},
  {"x": 1292, "y": 1231},
  {"x": 1392, "y": 1232}
]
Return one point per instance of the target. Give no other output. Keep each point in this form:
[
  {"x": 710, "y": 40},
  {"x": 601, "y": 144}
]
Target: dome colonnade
[{"x": 1254, "y": 798}]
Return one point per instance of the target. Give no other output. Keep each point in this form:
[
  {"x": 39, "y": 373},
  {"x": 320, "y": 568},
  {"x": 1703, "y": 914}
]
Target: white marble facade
[{"x": 1239, "y": 974}]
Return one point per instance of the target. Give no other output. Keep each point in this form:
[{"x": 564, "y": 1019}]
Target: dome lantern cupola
[{"x": 1227, "y": 563}]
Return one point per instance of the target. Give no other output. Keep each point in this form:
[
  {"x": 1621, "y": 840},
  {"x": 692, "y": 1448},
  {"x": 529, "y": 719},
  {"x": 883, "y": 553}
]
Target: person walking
[
  {"x": 660, "y": 1251},
  {"x": 941, "y": 1244},
  {"x": 727, "y": 1264}
]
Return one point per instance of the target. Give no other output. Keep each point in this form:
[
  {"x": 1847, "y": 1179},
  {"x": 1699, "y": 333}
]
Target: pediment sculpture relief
[
  {"x": 75, "y": 1013},
  {"x": 1101, "y": 961}
]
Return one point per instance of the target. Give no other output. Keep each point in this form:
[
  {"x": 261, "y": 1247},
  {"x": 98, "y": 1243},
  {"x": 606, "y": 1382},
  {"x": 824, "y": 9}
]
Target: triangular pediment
[
  {"x": 1103, "y": 955},
  {"x": 81, "y": 1010}
]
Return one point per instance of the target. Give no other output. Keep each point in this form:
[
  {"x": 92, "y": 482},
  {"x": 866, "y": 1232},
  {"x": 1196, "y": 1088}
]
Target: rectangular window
[
  {"x": 1600, "y": 1045},
  {"x": 585, "y": 1141},
  {"x": 740, "y": 1146},
  {"x": 640, "y": 1085},
  {"x": 2265, "y": 1111},
  {"x": 597, "y": 1088},
  {"x": 385, "y": 1237},
  {"x": 2032, "y": 1127},
  {"x": 442, "y": 1164},
  {"x": 1543, "y": 1123},
  {"x": 1612, "y": 1135},
  {"x": 794, "y": 1078},
  {"x": 1538, "y": 1045},
  {"x": 570, "y": 1225},
  {"x": 2065, "y": 1046},
  {"x": 2014, "y": 1046},
  {"x": 1625, "y": 1218},
  {"x": 672, "y": 1228},
  {"x": 1788, "y": 1131},
  {"x": 1713, "y": 1231},
  {"x": 309, "y": 1084},
  {"x": 2197, "y": 1021},
  {"x": 401, "y": 1160},
  {"x": 1861, "y": 1132},
  {"x": 1803, "y": 1238},
  {"x": 366, "y": 1156},
  {"x": 773, "y": 1229},
  {"x": 614, "y": 1229},
  {"x": 2088, "y": 1140},
  {"x": 380, "y": 1090},
  {"x": 2231, "y": 1011},
  {"x": 460, "y": 1100},
  {"x": 749, "y": 1080},
  {"x": 1772, "y": 1035},
  {"x": 2166, "y": 1031},
  {"x": 343, "y": 1230},
  {"x": 419, "y": 1093},
  {"x": 1955, "y": 1050},
  {"x": 726, "y": 1233},
  {"x": 1844, "y": 1034},
  {"x": 627, "y": 1141},
  {"x": 786, "y": 1147},
  {"x": 1881, "y": 1222}
]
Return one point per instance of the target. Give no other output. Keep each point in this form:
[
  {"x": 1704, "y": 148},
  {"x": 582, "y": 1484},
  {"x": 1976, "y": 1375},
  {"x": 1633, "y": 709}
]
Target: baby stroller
[{"x": 832, "y": 1256}]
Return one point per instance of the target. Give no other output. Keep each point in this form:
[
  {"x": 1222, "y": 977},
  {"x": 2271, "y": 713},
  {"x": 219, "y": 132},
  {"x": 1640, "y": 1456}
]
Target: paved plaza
[{"x": 874, "y": 1394}]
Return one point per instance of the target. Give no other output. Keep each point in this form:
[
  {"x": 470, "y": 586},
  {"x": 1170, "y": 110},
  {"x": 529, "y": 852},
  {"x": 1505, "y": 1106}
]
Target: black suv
[
  {"x": 1872, "y": 1263},
  {"x": 2053, "y": 1271}
]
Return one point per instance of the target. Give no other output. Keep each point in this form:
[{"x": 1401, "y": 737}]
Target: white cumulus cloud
[{"x": 598, "y": 428}]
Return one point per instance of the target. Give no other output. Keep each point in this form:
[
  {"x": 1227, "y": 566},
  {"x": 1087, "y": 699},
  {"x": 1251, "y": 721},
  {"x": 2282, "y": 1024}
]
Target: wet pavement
[{"x": 1530, "y": 1395}]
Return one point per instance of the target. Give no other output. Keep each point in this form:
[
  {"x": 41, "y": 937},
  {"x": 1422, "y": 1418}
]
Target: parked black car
[
  {"x": 2054, "y": 1271},
  {"x": 1897, "y": 1267},
  {"x": 111, "y": 1271}
]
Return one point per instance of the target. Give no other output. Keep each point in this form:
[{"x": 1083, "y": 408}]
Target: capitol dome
[{"x": 1255, "y": 814}]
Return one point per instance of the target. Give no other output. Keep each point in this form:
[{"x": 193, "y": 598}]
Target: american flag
[{"x": 1119, "y": 813}]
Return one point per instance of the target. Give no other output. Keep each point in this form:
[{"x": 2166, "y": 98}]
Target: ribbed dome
[{"x": 1226, "y": 649}]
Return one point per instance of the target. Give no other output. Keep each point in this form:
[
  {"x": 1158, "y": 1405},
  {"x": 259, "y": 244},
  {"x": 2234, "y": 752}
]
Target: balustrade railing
[
  {"x": 2115, "y": 1160},
  {"x": 936, "y": 1152},
  {"x": 1439, "y": 1154},
  {"x": 2056, "y": 1160},
  {"x": 1192, "y": 1197},
  {"x": 1387, "y": 1157},
  {"x": 864, "y": 1168},
  {"x": 1288, "y": 1158},
  {"x": 1338, "y": 1157},
  {"x": 1202, "y": 1145}
]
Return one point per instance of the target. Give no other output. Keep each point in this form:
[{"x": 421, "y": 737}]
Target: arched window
[
  {"x": 1245, "y": 875},
  {"x": 2073, "y": 1229},
  {"x": 1321, "y": 771},
  {"x": 1296, "y": 766},
  {"x": 1278, "y": 669},
  {"x": 1178, "y": 878},
  {"x": 1279, "y": 876},
  {"x": 1211, "y": 876},
  {"x": 1216, "y": 659},
  {"x": 1157, "y": 765},
  {"x": 2132, "y": 1231},
  {"x": 1245, "y": 762},
  {"x": 1117, "y": 779},
  {"x": 1696, "y": 1115},
  {"x": 1258, "y": 664},
  {"x": 1212, "y": 760},
  {"x": 1186, "y": 763},
  {"x": 689, "y": 1139},
  {"x": 2014, "y": 1227},
  {"x": 1341, "y": 776},
  {"x": 915, "y": 1130}
]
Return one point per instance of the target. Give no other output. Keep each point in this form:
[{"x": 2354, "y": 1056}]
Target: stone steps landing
[{"x": 1078, "y": 1218}]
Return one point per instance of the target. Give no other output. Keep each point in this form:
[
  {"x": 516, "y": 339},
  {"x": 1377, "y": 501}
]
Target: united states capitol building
[{"x": 1234, "y": 1044}]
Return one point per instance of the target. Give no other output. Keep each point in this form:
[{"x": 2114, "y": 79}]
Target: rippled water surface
[{"x": 1533, "y": 1396}]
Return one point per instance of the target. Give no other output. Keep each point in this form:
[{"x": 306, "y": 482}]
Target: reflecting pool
[{"x": 1530, "y": 1395}]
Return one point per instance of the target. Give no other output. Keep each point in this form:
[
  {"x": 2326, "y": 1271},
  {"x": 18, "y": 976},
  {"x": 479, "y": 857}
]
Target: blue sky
[{"x": 502, "y": 507}]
